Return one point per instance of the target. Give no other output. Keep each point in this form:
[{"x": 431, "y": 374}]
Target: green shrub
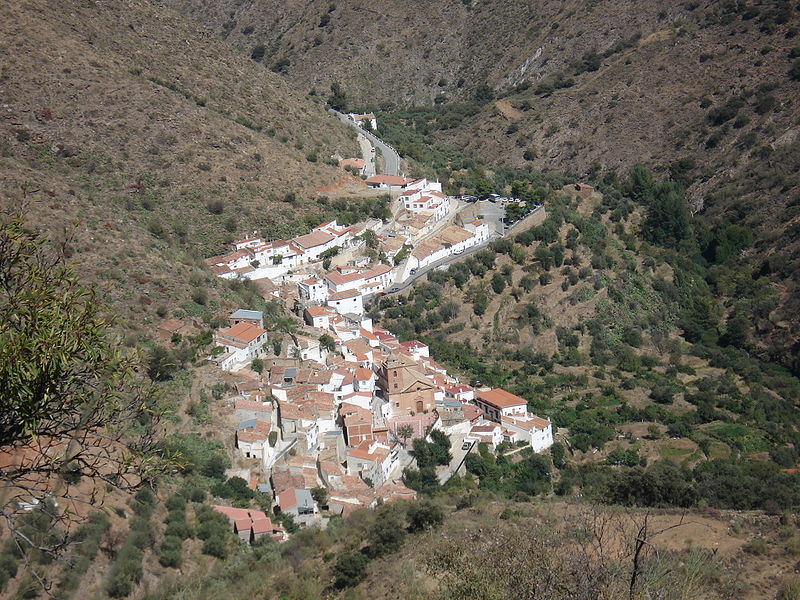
[
  {"x": 216, "y": 546},
  {"x": 349, "y": 570},
  {"x": 8, "y": 568},
  {"x": 125, "y": 573},
  {"x": 424, "y": 515},
  {"x": 756, "y": 546},
  {"x": 179, "y": 529},
  {"x": 169, "y": 552},
  {"x": 175, "y": 503}
]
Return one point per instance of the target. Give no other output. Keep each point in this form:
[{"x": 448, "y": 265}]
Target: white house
[
  {"x": 232, "y": 261},
  {"x": 421, "y": 200},
  {"x": 343, "y": 279},
  {"x": 365, "y": 380},
  {"x": 349, "y": 301},
  {"x": 314, "y": 244},
  {"x": 460, "y": 392},
  {"x": 498, "y": 403},
  {"x": 425, "y": 184},
  {"x": 318, "y": 316},
  {"x": 372, "y": 460},
  {"x": 277, "y": 252},
  {"x": 480, "y": 231},
  {"x": 309, "y": 349},
  {"x": 536, "y": 431},
  {"x": 364, "y": 118},
  {"x": 361, "y": 399},
  {"x": 341, "y": 384},
  {"x": 245, "y": 341},
  {"x": 416, "y": 348},
  {"x": 427, "y": 253},
  {"x": 247, "y": 243},
  {"x": 252, "y": 439},
  {"x": 368, "y": 282},
  {"x": 343, "y": 236},
  {"x": 312, "y": 290},
  {"x": 392, "y": 182},
  {"x": 486, "y": 432},
  {"x": 376, "y": 279}
]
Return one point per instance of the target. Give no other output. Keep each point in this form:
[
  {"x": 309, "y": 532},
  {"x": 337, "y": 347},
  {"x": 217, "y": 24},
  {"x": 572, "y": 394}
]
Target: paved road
[
  {"x": 367, "y": 154},
  {"x": 446, "y": 472},
  {"x": 391, "y": 158},
  {"x": 492, "y": 214},
  {"x": 444, "y": 261}
]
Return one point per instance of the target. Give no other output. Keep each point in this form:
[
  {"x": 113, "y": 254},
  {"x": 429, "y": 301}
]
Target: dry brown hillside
[
  {"x": 404, "y": 52},
  {"x": 156, "y": 138},
  {"x": 704, "y": 92}
]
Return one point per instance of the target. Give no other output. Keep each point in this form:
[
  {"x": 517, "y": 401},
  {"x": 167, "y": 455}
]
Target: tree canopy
[{"x": 72, "y": 403}]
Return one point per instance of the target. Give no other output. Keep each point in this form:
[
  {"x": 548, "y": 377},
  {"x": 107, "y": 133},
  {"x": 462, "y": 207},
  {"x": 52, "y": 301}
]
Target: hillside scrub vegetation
[
  {"x": 632, "y": 324},
  {"x": 702, "y": 94}
]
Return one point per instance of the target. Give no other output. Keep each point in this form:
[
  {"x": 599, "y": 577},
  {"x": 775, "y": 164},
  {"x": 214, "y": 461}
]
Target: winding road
[{"x": 391, "y": 158}]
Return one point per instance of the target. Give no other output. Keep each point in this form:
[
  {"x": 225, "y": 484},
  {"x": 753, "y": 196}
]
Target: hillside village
[
  {"x": 338, "y": 409},
  {"x": 341, "y": 416},
  {"x": 419, "y": 236}
]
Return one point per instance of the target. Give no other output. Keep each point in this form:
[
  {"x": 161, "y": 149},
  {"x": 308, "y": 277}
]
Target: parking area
[
  {"x": 459, "y": 452},
  {"x": 493, "y": 214}
]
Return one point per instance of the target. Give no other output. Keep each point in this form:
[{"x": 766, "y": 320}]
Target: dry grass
[{"x": 152, "y": 143}]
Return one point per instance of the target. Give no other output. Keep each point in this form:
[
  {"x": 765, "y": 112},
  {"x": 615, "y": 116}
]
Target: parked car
[
  {"x": 412, "y": 271},
  {"x": 466, "y": 445},
  {"x": 394, "y": 289}
]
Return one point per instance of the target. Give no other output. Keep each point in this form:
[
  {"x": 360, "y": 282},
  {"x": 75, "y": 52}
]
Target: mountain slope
[
  {"x": 155, "y": 138},
  {"x": 703, "y": 92}
]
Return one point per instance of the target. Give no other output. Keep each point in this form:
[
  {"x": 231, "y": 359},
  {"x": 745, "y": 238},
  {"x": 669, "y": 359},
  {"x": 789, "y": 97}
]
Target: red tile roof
[
  {"x": 313, "y": 239},
  {"x": 343, "y": 295},
  {"x": 501, "y": 399},
  {"x": 388, "y": 180},
  {"x": 245, "y": 404},
  {"x": 243, "y": 332},
  {"x": 471, "y": 412},
  {"x": 377, "y": 271},
  {"x": 245, "y": 519},
  {"x": 364, "y": 374},
  {"x": 338, "y": 278},
  {"x": 413, "y": 344}
]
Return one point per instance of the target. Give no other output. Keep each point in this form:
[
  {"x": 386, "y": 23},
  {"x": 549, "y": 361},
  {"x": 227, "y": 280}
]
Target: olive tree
[{"x": 74, "y": 407}]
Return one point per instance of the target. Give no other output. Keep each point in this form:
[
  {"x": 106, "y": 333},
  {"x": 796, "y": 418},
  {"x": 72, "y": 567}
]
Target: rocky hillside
[
  {"x": 703, "y": 92},
  {"x": 151, "y": 142},
  {"x": 602, "y": 334}
]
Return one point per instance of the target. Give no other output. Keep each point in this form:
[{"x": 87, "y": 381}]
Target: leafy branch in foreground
[{"x": 76, "y": 418}]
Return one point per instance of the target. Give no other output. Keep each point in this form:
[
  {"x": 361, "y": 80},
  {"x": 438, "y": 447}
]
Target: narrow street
[
  {"x": 391, "y": 158},
  {"x": 446, "y": 472},
  {"x": 367, "y": 154}
]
